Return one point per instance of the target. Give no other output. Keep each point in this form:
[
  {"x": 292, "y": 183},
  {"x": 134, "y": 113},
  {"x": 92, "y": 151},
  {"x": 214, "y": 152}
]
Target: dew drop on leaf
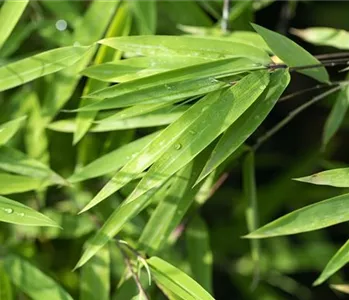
[
  {"x": 178, "y": 146},
  {"x": 8, "y": 210}
]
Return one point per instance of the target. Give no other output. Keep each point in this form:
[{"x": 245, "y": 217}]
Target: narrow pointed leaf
[
  {"x": 240, "y": 130},
  {"x": 324, "y": 36},
  {"x": 344, "y": 288},
  {"x": 214, "y": 120},
  {"x": 9, "y": 129},
  {"x": 6, "y": 292},
  {"x": 335, "y": 177},
  {"x": 199, "y": 252},
  {"x": 39, "y": 65},
  {"x": 336, "y": 116},
  {"x": 17, "y": 213},
  {"x": 14, "y": 161},
  {"x": 32, "y": 281},
  {"x": 10, "y": 13},
  {"x": 11, "y": 184},
  {"x": 145, "y": 16},
  {"x": 154, "y": 149},
  {"x": 316, "y": 216},
  {"x": 340, "y": 259},
  {"x": 95, "y": 277},
  {"x": 169, "y": 86},
  {"x": 177, "y": 281},
  {"x": 119, "y": 157},
  {"x": 185, "y": 46},
  {"x": 292, "y": 54}
]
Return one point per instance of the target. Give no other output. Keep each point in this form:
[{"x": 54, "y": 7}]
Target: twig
[
  {"x": 225, "y": 15},
  {"x": 133, "y": 273},
  {"x": 291, "y": 115}
]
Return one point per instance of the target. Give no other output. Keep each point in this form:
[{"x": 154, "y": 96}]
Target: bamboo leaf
[
  {"x": 17, "y": 213},
  {"x": 177, "y": 281},
  {"x": 292, "y": 54},
  {"x": 324, "y": 36},
  {"x": 170, "y": 85},
  {"x": 145, "y": 16},
  {"x": 10, "y": 13},
  {"x": 344, "y": 288},
  {"x": 240, "y": 130},
  {"x": 199, "y": 253},
  {"x": 153, "y": 150},
  {"x": 340, "y": 259},
  {"x": 214, "y": 120},
  {"x": 119, "y": 157},
  {"x": 95, "y": 277},
  {"x": 335, "y": 177},
  {"x": 39, "y": 65},
  {"x": 336, "y": 116},
  {"x": 316, "y": 216},
  {"x": 32, "y": 281},
  {"x": 9, "y": 129},
  {"x": 185, "y": 46},
  {"x": 11, "y": 184},
  {"x": 6, "y": 292}
]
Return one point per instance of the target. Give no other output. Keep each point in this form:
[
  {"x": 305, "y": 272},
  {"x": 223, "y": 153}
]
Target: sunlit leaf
[
  {"x": 176, "y": 281},
  {"x": 39, "y": 65},
  {"x": 17, "y": 213},
  {"x": 186, "y": 46},
  {"x": 11, "y": 184},
  {"x": 324, "y": 36},
  {"x": 292, "y": 54},
  {"x": 239, "y": 131},
  {"x": 199, "y": 252},
  {"x": 344, "y": 288},
  {"x": 335, "y": 177},
  {"x": 119, "y": 157},
  {"x": 32, "y": 281},
  {"x": 340, "y": 259},
  {"x": 214, "y": 120},
  {"x": 316, "y": 216},
  {"x": 95, "y": 277},
  {"x": 10, "y": 13},
  {"x": 9, "y": 129}
]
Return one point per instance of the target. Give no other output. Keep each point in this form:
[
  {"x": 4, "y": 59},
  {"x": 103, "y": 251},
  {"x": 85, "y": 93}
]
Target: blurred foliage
[{"x": 141, "y": 140}]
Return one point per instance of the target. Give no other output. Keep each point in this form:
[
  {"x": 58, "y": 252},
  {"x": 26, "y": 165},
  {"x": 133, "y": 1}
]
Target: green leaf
[
  {"x": 120, "y": 25},
  {"x": 159, "y": 118},
  {"x": 119, "y": 157},
  {"x": 39, "y": 65},
  {"x": 322, "y": 214},
  {"x": 126, "y": 211},
  {"x": 32, "y": 281},
  {"x": 5, "y": 285},
  {"x": 10, "y": 13},
  {"x": 292, "y": 54},
  {"x": 214, "y": 120},
  {"x": 199, "y": 252},
  {"x": 336, "y": 116},
  {"x": 145, "y": 16},
  {"x": 9, "y": 129},
  {"x": 240, "y": 130},
  {"x": 11, "y": 184},
  {"x": 95, "y": 277},
  {"x": 17, "y": 213},
  {"x": 14, "y": 161},
  {"x": 344, "y": 288},
  {"x": 185, "y": 46},
  {"x": 177, "y": 281},
  {"x": 138, "y": 67},
  {"x": 170, "y": 85},
  {"x": 340, "y": 259},
  {"x": 324, "y": 36},
  {"x": 153, "y": 150},
  {"x": 335, "y": 177}
]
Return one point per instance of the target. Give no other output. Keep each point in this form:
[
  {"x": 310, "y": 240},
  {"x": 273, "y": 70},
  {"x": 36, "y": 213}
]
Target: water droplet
[
  {"x": 61, "y": 25},
  {"x": 205, "y": 108},
  {"x": 178, "y": 146},
  {"x": 192, "y": 132},
  {"x": 8, "y": 210},
  {"x": 168, "y": 87},
  {"x": 21, "y": 214},
  {"x": 261, "y": 87}
]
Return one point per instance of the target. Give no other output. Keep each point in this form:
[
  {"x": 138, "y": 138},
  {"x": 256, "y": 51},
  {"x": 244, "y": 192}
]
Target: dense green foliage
[{"x": 125, "y": 129}]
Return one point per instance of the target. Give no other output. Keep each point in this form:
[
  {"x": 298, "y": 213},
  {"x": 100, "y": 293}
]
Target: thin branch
[
  {"x": 133, "y": 273},
  {"x": 332, "y": 55},
  {"x": 290, "y": 116}
]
